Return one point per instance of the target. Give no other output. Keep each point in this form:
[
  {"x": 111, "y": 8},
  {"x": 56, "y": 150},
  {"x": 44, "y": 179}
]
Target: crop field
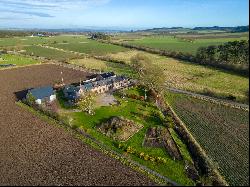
[
  {"x": 17, "y": 60},
  {"x": 49, "y": 53},
  {"x": 172, "y": 43},
  {"x": 223, "y": 133},
  {"x": 195, "y": 78}
]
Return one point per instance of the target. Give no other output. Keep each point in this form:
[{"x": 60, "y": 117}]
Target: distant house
[
  {"x": 98, "y": 83},
  {"x": 38, "y": 34},
  {"x": 43, "y": 94}
]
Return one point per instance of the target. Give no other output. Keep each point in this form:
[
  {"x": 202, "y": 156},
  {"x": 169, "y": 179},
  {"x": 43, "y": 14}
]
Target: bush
[
  {"x": 146, "y": 157},
  {"x": 141, "y": 155},
  {"x": 142, "y": 98}
]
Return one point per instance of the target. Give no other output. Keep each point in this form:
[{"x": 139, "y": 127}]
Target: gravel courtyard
[{"x": 33, "y": 152}]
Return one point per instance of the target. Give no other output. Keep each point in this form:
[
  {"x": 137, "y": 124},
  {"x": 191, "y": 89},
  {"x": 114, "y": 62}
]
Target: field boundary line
[
  {"x": 211, "y": 99},
  {"x": 28, "y": 65}
]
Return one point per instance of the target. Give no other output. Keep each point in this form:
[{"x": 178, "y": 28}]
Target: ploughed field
[{"x": 33, "y": 152}]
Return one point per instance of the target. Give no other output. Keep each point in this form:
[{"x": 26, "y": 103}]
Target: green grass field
[
  {"x": 49, "y": 53},
  {"x": 141, "y": 113},
  {"x": 87, "y": 46},
  {"x": 104, "y": 66},
  {"x": 17, "y": 60},
  {"x": 23, "y": 41},
  {"x": 223, "y": 133},
  {"x": 171, "y": 43},
  {"x": 72, "y": 43}
]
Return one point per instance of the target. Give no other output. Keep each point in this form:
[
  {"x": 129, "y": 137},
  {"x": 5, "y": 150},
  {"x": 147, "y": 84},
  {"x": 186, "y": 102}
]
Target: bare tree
[{"x": 148, "y": 74}]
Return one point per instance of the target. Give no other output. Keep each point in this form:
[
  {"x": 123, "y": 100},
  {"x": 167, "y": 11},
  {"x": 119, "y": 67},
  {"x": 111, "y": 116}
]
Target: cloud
[
  {"x": 46, "y": 8},
  {"x": 30, "y": 13},
  {"x": 13, "y": 18}
]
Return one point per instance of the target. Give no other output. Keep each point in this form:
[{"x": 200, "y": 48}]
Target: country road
[{"x": 212, "y": 99}]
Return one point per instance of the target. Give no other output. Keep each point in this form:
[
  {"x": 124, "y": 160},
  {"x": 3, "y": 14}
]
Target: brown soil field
[{"x": 33, "y": 152}]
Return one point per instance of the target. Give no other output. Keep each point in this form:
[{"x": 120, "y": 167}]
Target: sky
[{"x": 127, "y": 14}]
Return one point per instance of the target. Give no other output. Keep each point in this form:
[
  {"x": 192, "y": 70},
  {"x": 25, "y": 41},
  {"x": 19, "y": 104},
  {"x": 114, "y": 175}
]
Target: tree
[
  {"x": 100, "y": 36},
  {"x": 86, "y": 102},
  {"x": 149, "y": 74},
  {"x": 230, "y": 55},
  {"x": 30, "y": 99}
]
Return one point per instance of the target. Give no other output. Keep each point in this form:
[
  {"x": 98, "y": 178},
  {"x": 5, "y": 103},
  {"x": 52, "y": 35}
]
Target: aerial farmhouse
[{"x": 100, "y": 83}]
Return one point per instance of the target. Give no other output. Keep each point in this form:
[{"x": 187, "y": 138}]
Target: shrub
[
  {"x": 142, "y": 155},
  {"x": 152, "y": 159},
  {"x": 146, "y": 157},
  {"x": 130, "y": 150},
  {"x": 30, "y": 99}
]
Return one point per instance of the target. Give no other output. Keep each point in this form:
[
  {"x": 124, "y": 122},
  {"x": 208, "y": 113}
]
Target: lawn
[
  {"x": 17, "y": 59},
  {"x": 223, "y": 133},
  {"x": 172, "y": 43},
  {"x": 142, "y": 113}
]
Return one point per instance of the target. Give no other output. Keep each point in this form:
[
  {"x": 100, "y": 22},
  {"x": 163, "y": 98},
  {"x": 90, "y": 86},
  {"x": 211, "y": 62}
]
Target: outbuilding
[{"x": 43, "y": 94}]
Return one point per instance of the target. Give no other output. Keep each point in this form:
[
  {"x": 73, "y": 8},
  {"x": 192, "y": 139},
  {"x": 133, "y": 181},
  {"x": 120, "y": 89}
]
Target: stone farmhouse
[{"x": 100, "y": 83}]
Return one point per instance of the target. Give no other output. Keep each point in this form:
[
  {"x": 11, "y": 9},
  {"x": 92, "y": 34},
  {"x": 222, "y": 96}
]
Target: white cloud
[{"x": 47, "y": 8}]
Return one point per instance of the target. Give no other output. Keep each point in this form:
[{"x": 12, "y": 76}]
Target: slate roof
[
  {"x": 106, "y": 75},
  {"x": 42, "y": 92},
  {"x": 71, "y": 88},
  {"x": 102, "y": 76},
  {"x": 119, "y": 78},
  {"x": 72, "y": 91},
  {"x": 88, "y": 86}
]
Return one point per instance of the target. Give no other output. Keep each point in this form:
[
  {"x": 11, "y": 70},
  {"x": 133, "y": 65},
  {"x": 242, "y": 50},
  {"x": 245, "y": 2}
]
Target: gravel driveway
[{"x": 33, "y": 152}]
